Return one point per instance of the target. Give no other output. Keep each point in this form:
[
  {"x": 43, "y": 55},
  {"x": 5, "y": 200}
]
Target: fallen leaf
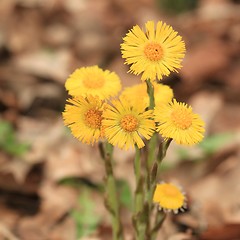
[
  {"x": 224, "y": 232},
  {"x": 75, "y": 160},
  {"x": 17, "y": 168},
  {"x": 45, "y": 64},
  {"x": 204, "y": 60}
]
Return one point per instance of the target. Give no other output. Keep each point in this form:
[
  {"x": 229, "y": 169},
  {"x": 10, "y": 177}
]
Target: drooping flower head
[
  {"x": 177, "y": 121},
  {"x": 93, "y": 81},
  {"x": 169, "y": 197},
  {"x": 83, "y": 115},
  {"x": 153, "y": 52},
  {"x": 125, "y": 125},
  {"x": 162, "y": 93}
]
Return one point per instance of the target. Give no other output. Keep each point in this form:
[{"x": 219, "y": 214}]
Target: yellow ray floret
[
  {"x": 93, "y": 81},
  {"x": 83, "y": 115},
  {"x": 125, "y": 125},
  {"x": 162, "y": 93},
  {"x": 153, "y": 52},
  {"x": 169, "y": 197},
  {"x": 177, "y": 121}
]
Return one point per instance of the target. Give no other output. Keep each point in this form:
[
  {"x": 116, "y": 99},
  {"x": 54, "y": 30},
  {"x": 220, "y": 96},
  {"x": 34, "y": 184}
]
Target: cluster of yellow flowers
[{"x": 95, "y": 113}]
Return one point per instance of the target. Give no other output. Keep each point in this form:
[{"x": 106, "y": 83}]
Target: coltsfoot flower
[
  {"x": 93, "y": 81},
  {"x": 169, "y": 197},
  {"x": 83, "y": 115},
  {"x": 125, "y": 125},
  {"x": 162, "y": 93},
  {"x": 153, "y": 52},
  {"x": 176, "y": 120}
]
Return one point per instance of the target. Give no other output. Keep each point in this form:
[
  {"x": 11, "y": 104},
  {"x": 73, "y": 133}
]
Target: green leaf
[
  {"x": 8, "y": 141},
  {"x": 212, "y": 143},
  {"x": 183, "y": 153},
  {"x": 85, "y": 218},
  {"x": 177, "y": 6},
  {"x": 125, "y": 194},
  {"x": 79, "y": 182}
]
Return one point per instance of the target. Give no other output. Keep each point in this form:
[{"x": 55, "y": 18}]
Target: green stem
[
  {"x": 150, "y": 91},
  {"x": 154, "y": 139},
  {"x": 162, "y": 153},
  {"x": 153, "y": 168},
  {"x": 160, "y": 217},
  {"x": 151, "y": 157},
  {"x": 137, "y": 164},
  {"x": 150, "y": 162},
  {"x": 111, "y": 200},
  {"x": 162, "y": 150},
  {"x": 138, "y": 215}
]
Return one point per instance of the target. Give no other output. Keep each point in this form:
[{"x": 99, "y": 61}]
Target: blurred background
[{"x": 51, "y": 184}]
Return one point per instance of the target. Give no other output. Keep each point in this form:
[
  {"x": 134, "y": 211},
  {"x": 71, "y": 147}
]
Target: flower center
[
  {"x": 93, "y": 82},
  {"x": 93, "y": 118},
  {"x": 182, "y": 118},
  {"x": 153, "y": 51},
  {"x": 129, "y": 123},
  {"x": 170, "y": 190}
]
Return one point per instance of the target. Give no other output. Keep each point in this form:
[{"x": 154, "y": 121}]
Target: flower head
[
  {"x": 93, "y": 81},
  {"x": 169, "y": 197},
  {"x": 177, "y": 121},
  {"x": 83, "y": 115},
  {"x": 162, "y": 93},
  {"x": 153, "y": 52},
  {"x": 124, "y": 125}
]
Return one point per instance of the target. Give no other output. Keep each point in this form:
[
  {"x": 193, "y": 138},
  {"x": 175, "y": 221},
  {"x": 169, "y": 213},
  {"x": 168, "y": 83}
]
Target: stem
[
  {"x": 162, "y": 153},
  {"x": 153, "y": 168},
  {"x": 138, "y": 215},
  {"x": 150, "y": 163},
  {"x": 111, "y": 200},
  {"x": 150, "y": 91},
  {"x": 137, "y": 164},
  {"x": 162, "y": 150},
  {"x": 151, "y": 157},
  {"x": 154, "y": 139},
  {"x": 159, "y": 217}
]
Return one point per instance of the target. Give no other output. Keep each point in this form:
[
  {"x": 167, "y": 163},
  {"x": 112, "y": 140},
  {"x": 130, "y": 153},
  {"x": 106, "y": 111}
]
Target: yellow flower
[
  {"x": 169, "y": 197},
  {"x": 93, "y": 81},
  {"x": 124, "y": 125},
  {"x": 177, "y": 121},
  {"x": 153, "y": 52},
  {"x": 138, "y": 92},
  {"x": 83, "y": 115}
]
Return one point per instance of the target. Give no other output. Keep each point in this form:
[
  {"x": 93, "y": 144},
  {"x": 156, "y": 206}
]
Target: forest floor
[{"x": 50, "y": 183}]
